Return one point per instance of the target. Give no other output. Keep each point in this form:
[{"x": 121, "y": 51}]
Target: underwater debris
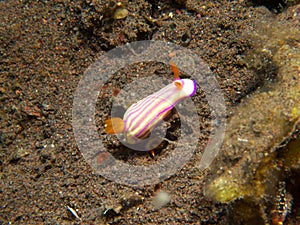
[
  {"x": 250, "y": 170},
  {"x": 119, "y": 207},
  {"x": 120, "y": 13},
  {"x": 115, "y": 10},
  {"x": 276, "y": 6},
  {"x": 111, "y": 211},
  {"x": 161, "y": 199},
  {"x": 73, "y": 212},
  {"x": 264, "y": 120},
  {"x": 282, "y": 206}
]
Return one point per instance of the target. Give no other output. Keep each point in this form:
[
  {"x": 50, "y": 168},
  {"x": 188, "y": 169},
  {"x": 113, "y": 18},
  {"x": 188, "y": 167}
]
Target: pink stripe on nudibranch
[
  {"x": 143, "y": 107},
  {"x": 144, "y": 113},
  {"x": 150, "y": 124}
]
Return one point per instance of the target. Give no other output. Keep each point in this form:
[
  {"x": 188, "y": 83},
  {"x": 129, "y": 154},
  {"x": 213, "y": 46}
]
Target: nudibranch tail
[{"x": 114, "y": 125}]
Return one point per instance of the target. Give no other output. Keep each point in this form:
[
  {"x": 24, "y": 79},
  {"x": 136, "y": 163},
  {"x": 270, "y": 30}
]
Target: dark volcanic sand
[{"x": 45, "y": 48}]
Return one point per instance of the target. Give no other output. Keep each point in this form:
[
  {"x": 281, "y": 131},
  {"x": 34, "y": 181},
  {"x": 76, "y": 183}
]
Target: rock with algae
[{"x": 246, "y": 166}]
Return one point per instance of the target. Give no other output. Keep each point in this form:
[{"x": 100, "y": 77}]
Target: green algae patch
[
  {"x": 296, "y": 111},
  {"x": 246, "y": 166},
  {"x": 226, "y": 191}
]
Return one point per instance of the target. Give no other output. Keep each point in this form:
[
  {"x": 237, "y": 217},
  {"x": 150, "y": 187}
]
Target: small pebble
[{"x": 120, "y": 13}]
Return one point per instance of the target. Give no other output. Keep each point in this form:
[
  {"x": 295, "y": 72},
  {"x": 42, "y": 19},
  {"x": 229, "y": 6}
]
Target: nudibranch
[{"x": 142, "y": 117}]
